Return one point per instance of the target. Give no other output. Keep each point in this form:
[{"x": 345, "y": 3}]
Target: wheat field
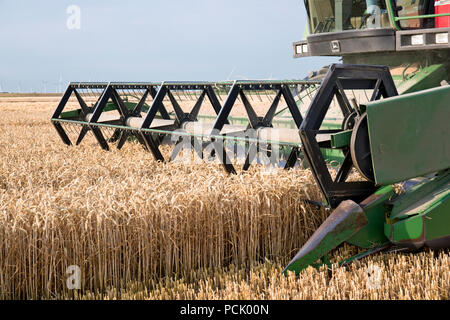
[
  {"x": 140, "y": 229},
  {"x": 424, "y": 275}
]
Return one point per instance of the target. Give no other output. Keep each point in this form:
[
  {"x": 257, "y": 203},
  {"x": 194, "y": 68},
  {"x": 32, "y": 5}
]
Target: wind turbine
[
  {"x": 232, "y": 70},
  {"x": 60, "y": 82},
  {"x": 44, "y": 83}
]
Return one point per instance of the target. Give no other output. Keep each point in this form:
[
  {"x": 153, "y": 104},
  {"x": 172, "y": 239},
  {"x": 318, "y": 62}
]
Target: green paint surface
[
  {"x": 372, "y": 234},
  {"x": 423, "y": 208},
  {"x": 341, "y": 139},
  {"x": 407, "y": 229},
  {"x": 409, "y": 135}
]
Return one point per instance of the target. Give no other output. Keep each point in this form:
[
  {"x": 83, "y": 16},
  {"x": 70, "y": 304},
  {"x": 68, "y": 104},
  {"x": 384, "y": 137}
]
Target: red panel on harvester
[{"x": 440, "y": 7}]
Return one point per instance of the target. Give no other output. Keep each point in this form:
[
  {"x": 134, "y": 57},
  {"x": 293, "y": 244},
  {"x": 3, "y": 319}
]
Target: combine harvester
[{"x": 374, "y": 130}]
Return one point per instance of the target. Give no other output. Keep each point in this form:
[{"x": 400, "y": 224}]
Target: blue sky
[{"x": 149, "y": 41}]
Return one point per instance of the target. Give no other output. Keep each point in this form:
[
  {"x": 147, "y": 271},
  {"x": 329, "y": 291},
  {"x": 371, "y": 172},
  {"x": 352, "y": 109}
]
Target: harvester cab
[
  {"x": 374, "y": 130},
  {"x": 408, "y": 36}
]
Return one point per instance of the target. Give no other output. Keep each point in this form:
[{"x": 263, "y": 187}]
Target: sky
[{"x": 42, "y": 48}]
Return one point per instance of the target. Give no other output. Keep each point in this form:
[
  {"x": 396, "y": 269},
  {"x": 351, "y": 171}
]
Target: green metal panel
[
  {"x": 437, "y": 222},
  {"x": 421, "y": 214},
  {"x": 341, "y": 139},
  {"x": 388, "y": 230},
  {"x": 409, "y": 135},
  {"x": 426, "y": 78},
  {"x": 70, "y": 114},
  {"x": 375, "y": 210},
  {"x": 418, "y": 198},
  {"x": 333, "y": 156},
  {"x": 407, "y": 229}
]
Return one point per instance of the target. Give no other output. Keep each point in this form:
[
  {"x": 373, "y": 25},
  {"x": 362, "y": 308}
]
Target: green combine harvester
[{"x": 374, "y": 130}]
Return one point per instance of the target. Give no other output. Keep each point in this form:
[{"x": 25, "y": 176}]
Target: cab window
[
  {"x": 408, "y": 8},
  {"x": 341, "y": 15}
]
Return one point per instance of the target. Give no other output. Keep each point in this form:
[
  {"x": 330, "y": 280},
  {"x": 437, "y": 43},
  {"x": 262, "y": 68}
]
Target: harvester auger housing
[{"x": 391, "y": 139}]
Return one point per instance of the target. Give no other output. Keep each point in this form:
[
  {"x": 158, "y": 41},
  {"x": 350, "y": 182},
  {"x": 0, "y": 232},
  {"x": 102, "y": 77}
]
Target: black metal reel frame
[
  {"x": 83, "y": 111},
  {"x": 238, "y": 90},
  {"x": 181, "y": 117},
  {"x": 341, "y": 77},
  {"x": 109, "y": 93},
  {"x": 159, "y": 91}
]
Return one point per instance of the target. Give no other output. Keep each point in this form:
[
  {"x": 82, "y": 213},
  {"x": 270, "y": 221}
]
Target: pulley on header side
[{"x": 360, "y": 149}]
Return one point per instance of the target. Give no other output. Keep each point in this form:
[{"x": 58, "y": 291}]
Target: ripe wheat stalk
[
  {"x": 145, "y": 230},
  {"x": 120, "y": 216}
]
